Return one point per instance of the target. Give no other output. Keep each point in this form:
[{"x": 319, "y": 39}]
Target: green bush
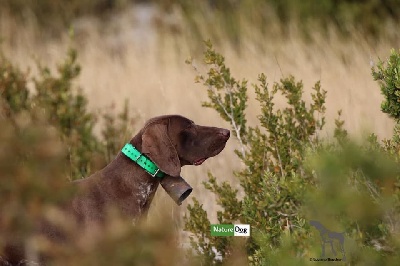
[
  {"x": 291, "y": 177},
  {"x": 13, "y": 88},
  {"x": 33, "y": 173},
  {"x": 33, "y": 180},
  {"x": 68, "y": 112},
  {"x": 358, "y": 193},
  {"x": 274, "y": 179},
  {"x": 65, "y": 107},
  {"x": 47, "y": 139},
  {"x": 388, "y": 75}
]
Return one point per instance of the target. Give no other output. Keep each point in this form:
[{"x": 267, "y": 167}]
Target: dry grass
[{"x": 131, "y": 59}]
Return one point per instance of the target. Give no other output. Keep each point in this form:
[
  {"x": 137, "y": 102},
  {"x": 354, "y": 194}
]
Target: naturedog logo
[{"x": 230, "y": 230}]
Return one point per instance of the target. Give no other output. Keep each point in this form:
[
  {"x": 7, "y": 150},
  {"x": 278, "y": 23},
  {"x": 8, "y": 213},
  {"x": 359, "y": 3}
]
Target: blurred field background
[{"x": 136, "y": 50}]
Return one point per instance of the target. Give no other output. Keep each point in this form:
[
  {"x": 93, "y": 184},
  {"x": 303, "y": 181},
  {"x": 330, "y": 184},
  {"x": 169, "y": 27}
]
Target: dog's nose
[{"x": 225, "y": 133}]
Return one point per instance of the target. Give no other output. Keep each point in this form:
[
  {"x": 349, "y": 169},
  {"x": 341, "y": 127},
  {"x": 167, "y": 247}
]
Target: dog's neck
[{"x": 128, "y": 185}]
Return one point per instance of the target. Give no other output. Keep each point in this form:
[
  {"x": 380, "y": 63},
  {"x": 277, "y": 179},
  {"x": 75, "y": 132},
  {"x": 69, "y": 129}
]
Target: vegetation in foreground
[
  {"x": 47, "y": 139},
  {"x": 292, "y": 176}
]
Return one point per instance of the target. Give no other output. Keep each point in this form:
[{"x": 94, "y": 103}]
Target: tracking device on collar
[{"x": 177, "y": 188}]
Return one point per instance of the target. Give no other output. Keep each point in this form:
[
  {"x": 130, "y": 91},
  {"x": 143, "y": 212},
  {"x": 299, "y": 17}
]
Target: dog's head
[{"x": 174, "y": 141}]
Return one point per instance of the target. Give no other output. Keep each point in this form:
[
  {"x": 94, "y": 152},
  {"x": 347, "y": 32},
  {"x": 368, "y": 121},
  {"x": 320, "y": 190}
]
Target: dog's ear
[{"x": 158, "y": 147}]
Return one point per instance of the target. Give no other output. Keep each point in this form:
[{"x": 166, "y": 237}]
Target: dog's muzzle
[{"x": 177, "y": 188}]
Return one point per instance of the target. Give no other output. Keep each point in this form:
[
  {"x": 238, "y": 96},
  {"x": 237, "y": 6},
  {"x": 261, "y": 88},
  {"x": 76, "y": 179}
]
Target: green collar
[{"x": 132, "y": 153}]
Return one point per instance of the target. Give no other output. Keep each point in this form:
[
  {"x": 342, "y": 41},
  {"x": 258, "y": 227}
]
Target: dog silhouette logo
[{"x": 330, "y": 237}]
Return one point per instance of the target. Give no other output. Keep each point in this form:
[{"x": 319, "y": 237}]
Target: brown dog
[{"x": 170, "y": 141}]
